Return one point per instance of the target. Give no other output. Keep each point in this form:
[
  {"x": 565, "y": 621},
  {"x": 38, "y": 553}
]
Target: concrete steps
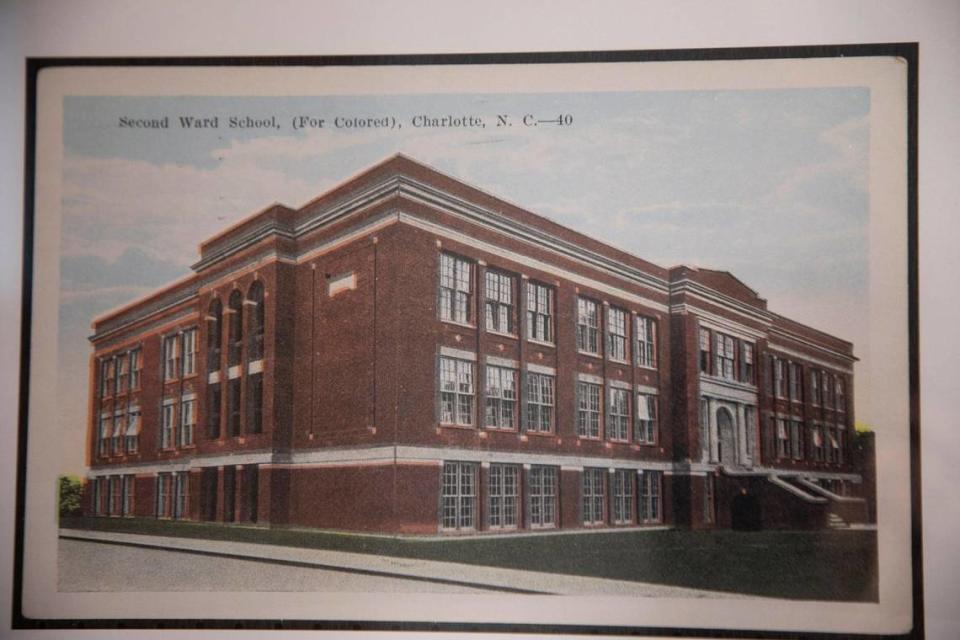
[{"x": 836, "y": 522}]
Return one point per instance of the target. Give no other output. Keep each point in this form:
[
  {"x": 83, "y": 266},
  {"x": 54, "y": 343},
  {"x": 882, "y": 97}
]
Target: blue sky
[{"x": 769, "y": 184}]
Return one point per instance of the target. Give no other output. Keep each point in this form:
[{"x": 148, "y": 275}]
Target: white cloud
[{"x": 847, "y": 143}]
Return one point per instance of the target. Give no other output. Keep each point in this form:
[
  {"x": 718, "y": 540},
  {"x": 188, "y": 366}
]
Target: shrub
[{"x": 70, "y": 493}]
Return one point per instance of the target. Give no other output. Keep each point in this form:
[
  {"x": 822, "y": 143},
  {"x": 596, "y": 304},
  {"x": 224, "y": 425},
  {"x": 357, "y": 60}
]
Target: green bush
[{"x": 70, "y": 492}]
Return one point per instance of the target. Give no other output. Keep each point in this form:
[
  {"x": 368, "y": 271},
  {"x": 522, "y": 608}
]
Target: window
[
  {"x": 213, "y": 411},
  {"x": 622, "y": 503},
  {"x": 103, "y": 435},
  {"x": 503, "y": 491},
  {"x": 779, "y": 378},
  {"x": 796, "y": 382},
  {"x": 592, "y": 496},
  {"x": 180, "y": 489},
  {"x": 105, "y": 388},
  {"x": 455, "y": 289},
  {"x": 704, "y": 420},
  {"x": 588, "y": 410},
  {"x": 815, "y": 395},
  {"x": 456, "y": 391},
  {"x": 543, "y": 497},
  {"x": 646, "y": 342},
  {"x": 539, "y": 403},
  {"x": 257, "y": 320},
  {"x": 168, "y": 416},
  {"x": 499, "y": 303},
  {"x": 171, "y": 357},
  {"x": 116, "y": 494},
  {"x": 255, "y": 403},
  {"x": 750, "y": 427},
  {"x": 841, "y": 395},
  {"x": 709, "y": 499},
  {"x": 841, "y": 442},
  {"x": 833, "y": 442},
  {"x": 617, "y": 334},
  {"x": 618, "y": 422},
  {"x": 235, "y": 329},
  {"x": 132, "y": 438},
  {"x": 136, "y": 366},
  {"x": 233, "y": 407},
  {"x": 746, "y": 362},
  {"x": 817, "y": 438},
  {"x": 459, "y": 496},
  {"x": 724, "y": 360},
  {"x": 650, "y": 510},
  {"x": 214, "y": 334},
  {"x": 783, "y": 438},
  {"x": 97, "y": 497},
  {"x": 230, "y": 493},
  {"x": 251, "y": 483},
  {"x": 162, "y": 506},
  {"x": 189, "y": 352},
  {"x": 119, "y": 426},
  {"x": 188, "y": 420},
  {"x": 539, "y": 312},
  {"x": 704, "y": 351},
  {"x": 500, "y": 397},
  {"x": 827, "y": 387},
  {"x": 796, "y": 439},
  {"x": 127, "y": 498},
  {"x": 123, "y": 373},
  {"x": 646, "y": 419},
  {"x": 588, "y": 326},
  {"x": 110, "y": 376}
]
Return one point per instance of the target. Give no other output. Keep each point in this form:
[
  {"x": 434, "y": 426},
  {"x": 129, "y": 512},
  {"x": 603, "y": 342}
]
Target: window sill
[
  {"x": 590, "y": 438},
  {"x": 618, "y": 361},
  {"x": 540, "y": 434},
  {"x": 653, "y": 367},
  {"x": 465, "y": 325},
  {"x": 499, "y": 334},
  {"x": 452, "y": 425},
  {"x": 542, "y": 343},
  {"x": 590, "y": 354},
  {"x": 492, "y": 429}
]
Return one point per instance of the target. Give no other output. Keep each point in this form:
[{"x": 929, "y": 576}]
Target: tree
[{"x": 70, "y": 492}]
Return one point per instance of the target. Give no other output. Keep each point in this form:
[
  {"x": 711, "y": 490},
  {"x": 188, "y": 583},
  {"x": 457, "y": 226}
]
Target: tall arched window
[
  {"x": 255, "y": 299},
  {"x": 235, "y": 337},
  {"x": 214, "y": 334}
]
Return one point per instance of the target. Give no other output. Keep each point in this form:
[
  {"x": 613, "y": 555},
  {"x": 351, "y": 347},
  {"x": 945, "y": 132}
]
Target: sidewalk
[{"x": 493, "y": 578}]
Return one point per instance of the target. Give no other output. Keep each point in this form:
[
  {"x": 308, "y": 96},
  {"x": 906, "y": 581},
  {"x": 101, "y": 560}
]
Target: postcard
[{"x": 610, "y": 341}]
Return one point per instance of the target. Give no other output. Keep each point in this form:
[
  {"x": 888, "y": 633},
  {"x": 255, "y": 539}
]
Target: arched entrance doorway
[
  {"x": 745, "y": 513},
  {"x": 726, "y": 442}
]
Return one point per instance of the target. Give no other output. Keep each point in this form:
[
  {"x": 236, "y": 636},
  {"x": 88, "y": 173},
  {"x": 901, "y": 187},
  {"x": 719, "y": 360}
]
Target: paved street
[{"x": 94, "y": 566}]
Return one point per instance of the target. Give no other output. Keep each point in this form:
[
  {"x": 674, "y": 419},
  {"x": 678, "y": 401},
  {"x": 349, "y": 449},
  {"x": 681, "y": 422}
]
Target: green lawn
[{"x": 820, "y": 565}]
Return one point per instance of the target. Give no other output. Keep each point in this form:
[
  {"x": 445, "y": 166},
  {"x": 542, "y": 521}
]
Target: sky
[{"x": 771, "y": 185}]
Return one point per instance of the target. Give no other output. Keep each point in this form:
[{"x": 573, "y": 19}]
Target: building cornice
[{"x": 754, "y": 322}]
